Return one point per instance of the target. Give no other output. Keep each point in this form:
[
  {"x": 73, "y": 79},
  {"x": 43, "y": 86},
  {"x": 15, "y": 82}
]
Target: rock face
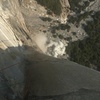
[
  {"x": 65, "y": 8},
  {"x": 28, "y": 34},
  {"x": 58, "y": 76}
]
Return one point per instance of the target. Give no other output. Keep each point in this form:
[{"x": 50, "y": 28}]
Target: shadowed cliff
[{"x": 37, "y": 76}]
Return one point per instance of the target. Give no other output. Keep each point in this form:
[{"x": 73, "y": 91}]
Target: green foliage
[
  {"x": 87, "y": 52},
  {"x": 74, "y": 33},
  {"x": 74, "y": 3},
  {"x": 76, "y": 20},
  {"x": 51, "y": 5},
  {"x": 76, "y": 7}
]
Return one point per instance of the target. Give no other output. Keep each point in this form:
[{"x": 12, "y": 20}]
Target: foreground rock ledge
[{"x": 47, "y": 76}]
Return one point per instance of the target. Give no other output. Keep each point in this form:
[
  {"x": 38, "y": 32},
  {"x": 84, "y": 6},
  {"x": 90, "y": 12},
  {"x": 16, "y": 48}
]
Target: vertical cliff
[{"x": 13, "y": 33}]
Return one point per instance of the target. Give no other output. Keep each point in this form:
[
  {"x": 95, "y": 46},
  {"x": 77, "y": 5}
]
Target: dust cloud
[
  {"x": 53, "y": 48},
  {"x": 41, "y": 40}
]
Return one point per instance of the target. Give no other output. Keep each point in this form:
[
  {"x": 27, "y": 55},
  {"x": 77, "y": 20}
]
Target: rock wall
[{"x": 13, "y": 34}]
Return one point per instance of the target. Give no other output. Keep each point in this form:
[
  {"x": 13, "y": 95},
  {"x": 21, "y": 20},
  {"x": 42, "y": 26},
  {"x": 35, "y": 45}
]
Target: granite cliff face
[{"x": 34, "y": 64}]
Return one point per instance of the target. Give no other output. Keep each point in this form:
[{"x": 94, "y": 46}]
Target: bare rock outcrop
[{"x": 65, "y": 10}]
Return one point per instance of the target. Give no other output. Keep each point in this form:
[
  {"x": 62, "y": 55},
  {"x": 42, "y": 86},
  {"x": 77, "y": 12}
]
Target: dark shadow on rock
[
  {"x": 44, "y": 77},
  {"x": 46, "y": 19}
]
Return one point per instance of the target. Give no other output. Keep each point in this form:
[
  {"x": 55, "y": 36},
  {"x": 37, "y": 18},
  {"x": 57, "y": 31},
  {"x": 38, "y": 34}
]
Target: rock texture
[
  {"x": 58, "y": 76},
  {"x": 65, "y": 8},
  {"x": 29, "y": 37}
]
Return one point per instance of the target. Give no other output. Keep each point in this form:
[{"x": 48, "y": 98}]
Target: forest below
[{"x": 87, "y": 51}]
